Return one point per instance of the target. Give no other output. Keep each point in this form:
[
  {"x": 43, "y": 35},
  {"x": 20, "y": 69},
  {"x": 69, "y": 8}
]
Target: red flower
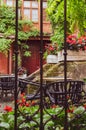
[
  {"x": 23, "y": 100},
  {"x": 71, "y": 39},
  {"x": 54, "y": 106},
  {"x": 22, "y": 94},
  {"x": 27, "y": 104},
  {"x": 33, "y": 103},
  {"x": 84, "y": 106},
  {"x": 51, "y": 48},
  {"x": 75, "y": 43},
  {"x": 8, "y": 108},
  {"x": 70, "y": 110}
]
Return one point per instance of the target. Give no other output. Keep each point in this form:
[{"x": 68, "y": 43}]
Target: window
[
  {"x": 31, "y": 10},
  {"x": 26, "y": 14},
  {"x": 10, "y": 3},
  {"x": 44, "y": 11},
  {"x": 34, "y": 15},
  {"x": 27, "y": 4},
  {"x": 34, "y": 4},
  {"x": 44, "y": 4}
]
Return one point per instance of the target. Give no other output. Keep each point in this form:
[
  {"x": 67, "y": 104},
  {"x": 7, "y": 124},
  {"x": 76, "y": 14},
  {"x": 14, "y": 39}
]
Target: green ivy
[
  {"x": 7, "y": 29},
  {"x": 4, "y": 44}
]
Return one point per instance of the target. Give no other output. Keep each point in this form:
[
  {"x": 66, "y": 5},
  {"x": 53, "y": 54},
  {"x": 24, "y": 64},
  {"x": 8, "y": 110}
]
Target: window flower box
[{"x": 72, "y": 55}]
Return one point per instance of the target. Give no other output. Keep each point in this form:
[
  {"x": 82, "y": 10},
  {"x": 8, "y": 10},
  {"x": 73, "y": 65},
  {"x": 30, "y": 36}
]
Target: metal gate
[{"x": 43, "y": 117}]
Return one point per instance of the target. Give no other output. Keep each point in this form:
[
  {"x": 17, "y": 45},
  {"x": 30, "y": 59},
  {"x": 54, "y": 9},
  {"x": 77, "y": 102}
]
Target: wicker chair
[
  {"x": 7, "y": 86},
  {"x": 56, "y": 92}
]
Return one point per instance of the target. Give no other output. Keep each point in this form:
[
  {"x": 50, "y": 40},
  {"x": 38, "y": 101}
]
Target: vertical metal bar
[
  {"x": 8, "y": 63},
  {"x": 41, "y": 65},
  {"x": 16, "y": 64},
  {"x": 65, "y": 64}
]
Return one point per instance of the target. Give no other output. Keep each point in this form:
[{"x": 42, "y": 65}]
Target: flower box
[
  {"x": 72, "y": 55},
  {"x": 52, "y": 59}
]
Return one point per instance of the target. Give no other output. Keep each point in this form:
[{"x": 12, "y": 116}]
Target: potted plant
[
  {"x": 76, "y": 48},
  {"x": 51, "y": 53},
  {"x": 22, "y": 72}
]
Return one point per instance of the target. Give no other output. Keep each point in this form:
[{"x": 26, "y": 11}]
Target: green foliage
[
  {"x": 58, "y": 38},
  {"x": 28, "y": 115},
  {"x": 4, "y": 44},
  {"x": 56, "y": 122},
  {"x": 76, "y": 18},
  {"x": 25, "y": 49},
  {"x": 7, "y": 29},
  {"x": 76, "y": 15}
]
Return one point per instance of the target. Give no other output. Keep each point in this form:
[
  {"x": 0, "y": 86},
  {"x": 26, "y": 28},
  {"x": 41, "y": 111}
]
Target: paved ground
[
  {"x": 6, "y": 101},
  {"x": 3, "y": 104}
]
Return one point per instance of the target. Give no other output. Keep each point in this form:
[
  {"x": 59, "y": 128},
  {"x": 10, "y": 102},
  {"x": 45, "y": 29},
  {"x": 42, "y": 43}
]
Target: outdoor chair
[
  {"x": 35, "y": 86},
  {"x": 7, "y": 86},
  {"x": 56, "y": 92}
]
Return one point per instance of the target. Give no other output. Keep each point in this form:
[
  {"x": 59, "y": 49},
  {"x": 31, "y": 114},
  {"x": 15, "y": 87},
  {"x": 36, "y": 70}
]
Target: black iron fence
[
  {"x": 53, "y": 101},
  {"x": 56, "y": 103}
]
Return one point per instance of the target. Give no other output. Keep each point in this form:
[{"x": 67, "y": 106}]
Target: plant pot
[
  {"x": 72, "y": 55},
  {"x": 23, "y": 76},
  {"x": 52, "y": 59}
]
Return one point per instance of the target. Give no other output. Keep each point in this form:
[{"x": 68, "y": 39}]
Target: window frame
[{"x": 31, "y": 9}]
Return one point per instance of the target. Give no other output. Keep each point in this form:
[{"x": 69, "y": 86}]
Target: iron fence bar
[
  {"x": 16, "y": 65},
  {"x": 41, "y": 65},
  {"x": 65, "y": 64}
]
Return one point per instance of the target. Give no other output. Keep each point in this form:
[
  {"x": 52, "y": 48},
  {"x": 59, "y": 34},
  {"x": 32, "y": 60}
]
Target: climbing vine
[{"x": 7, "y": 30}]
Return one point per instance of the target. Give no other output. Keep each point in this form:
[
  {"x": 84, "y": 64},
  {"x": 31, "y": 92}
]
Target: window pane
[
  {"x": 9, "y": 2},
  {"x": 34, "y": 4},
  {"x": 26, "y": 13},
  {"x": 44, "y": 4},
  {"x": 35, "y": 15},
  {"x": 26, "y": 3}
]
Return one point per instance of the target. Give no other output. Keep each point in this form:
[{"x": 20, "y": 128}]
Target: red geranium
[
  {"x": 8, "y": 108},
  {"x": 75, "y": 43},
  {"x": 51, "y": 49}
]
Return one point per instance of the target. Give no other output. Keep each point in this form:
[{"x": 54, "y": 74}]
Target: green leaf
[
  {"x": 79, "y": 110},
  {"x": 4, "y": 125}
]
